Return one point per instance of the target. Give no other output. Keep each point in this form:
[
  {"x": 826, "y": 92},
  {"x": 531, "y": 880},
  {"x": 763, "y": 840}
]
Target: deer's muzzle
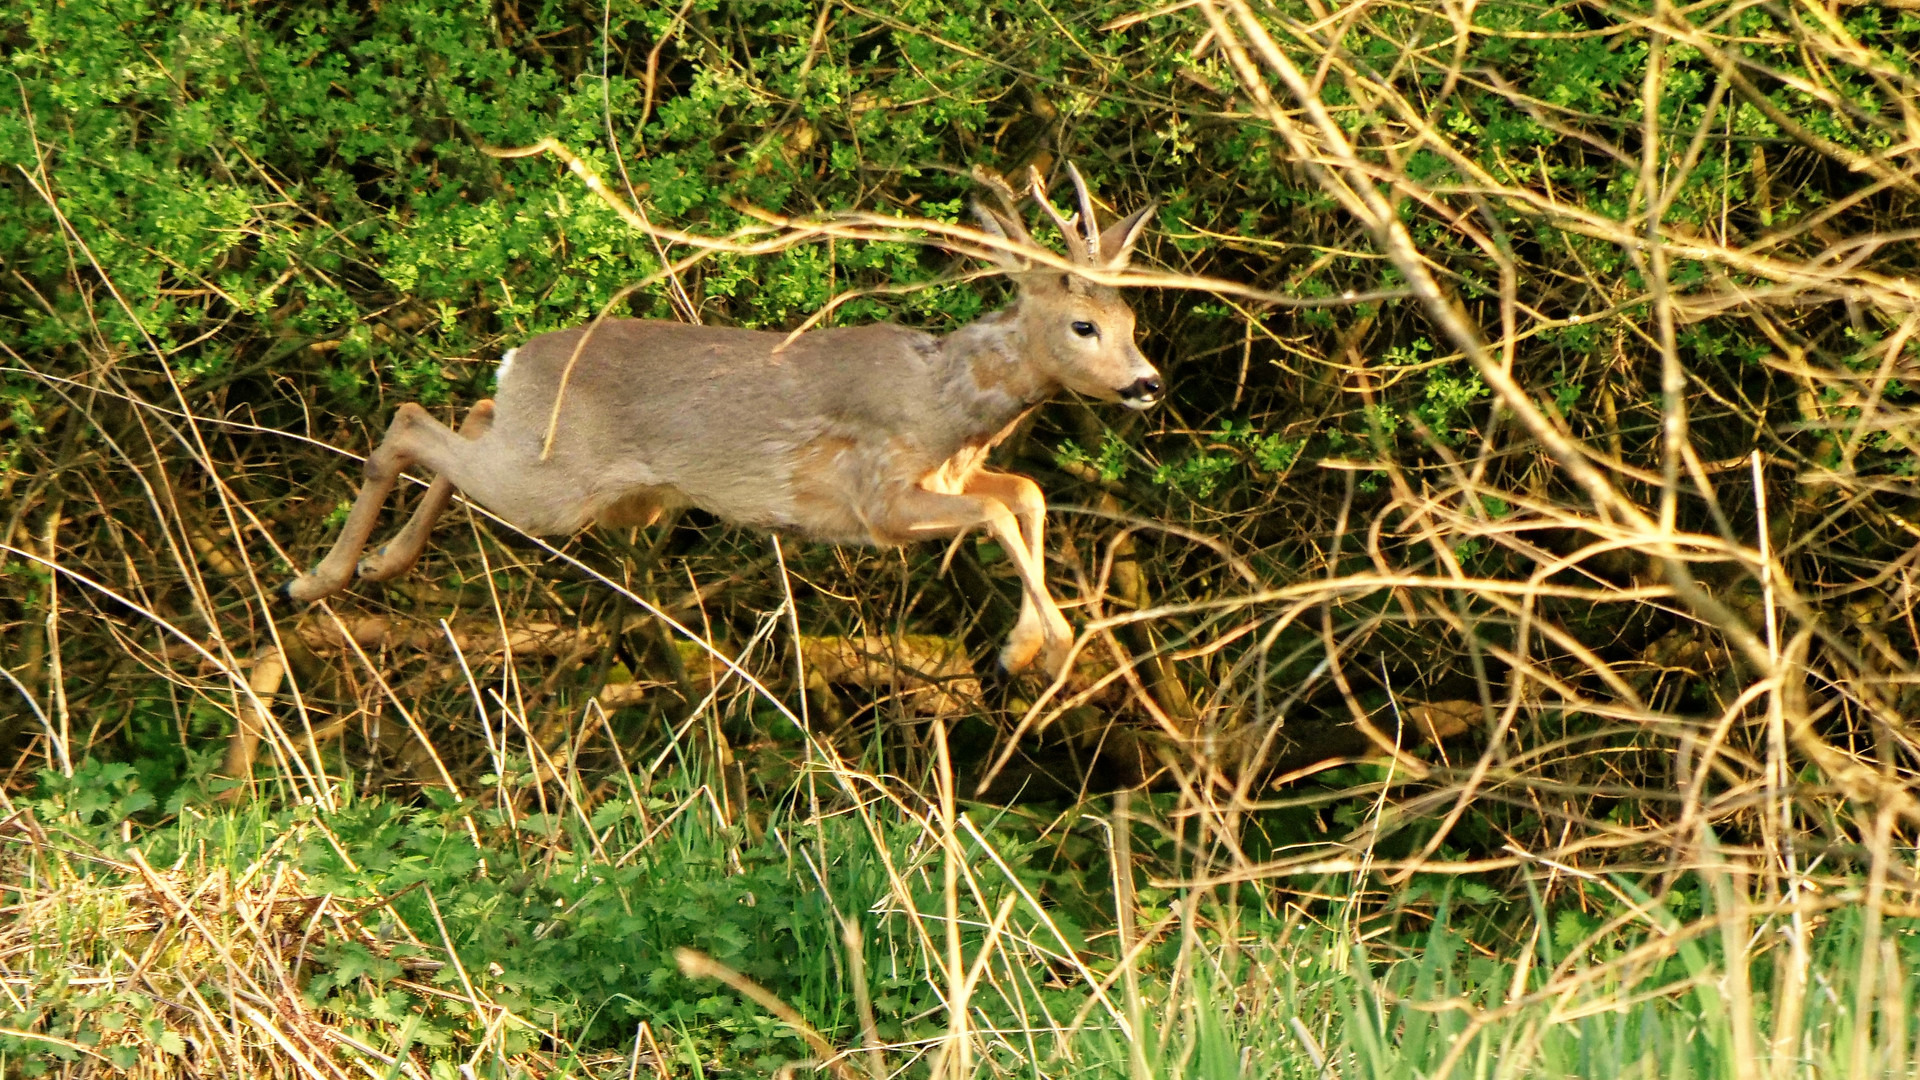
[{"x": 1142, "y": 393}]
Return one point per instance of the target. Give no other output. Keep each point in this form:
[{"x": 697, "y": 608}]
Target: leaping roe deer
[{"x": 867, "y": 435}]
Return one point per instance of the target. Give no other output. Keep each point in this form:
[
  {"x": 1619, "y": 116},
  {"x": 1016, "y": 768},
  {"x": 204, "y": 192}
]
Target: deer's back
[{"x": 718, "y": 417}]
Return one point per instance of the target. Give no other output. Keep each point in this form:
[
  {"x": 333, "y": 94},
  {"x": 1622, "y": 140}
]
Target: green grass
[{"x": 417, "y": 940}]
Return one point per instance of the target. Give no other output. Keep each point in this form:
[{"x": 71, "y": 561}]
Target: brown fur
[{"x": 870, "y": 435}]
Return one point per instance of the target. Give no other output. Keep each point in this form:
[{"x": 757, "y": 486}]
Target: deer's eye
[{"x": 1085, "y": 329}]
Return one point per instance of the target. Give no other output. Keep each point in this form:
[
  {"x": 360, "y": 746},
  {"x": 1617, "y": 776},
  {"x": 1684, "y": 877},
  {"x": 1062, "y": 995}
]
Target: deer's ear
[
  {"x": 1000, "y": 227},
  {"x": 1116, "y": 243}
]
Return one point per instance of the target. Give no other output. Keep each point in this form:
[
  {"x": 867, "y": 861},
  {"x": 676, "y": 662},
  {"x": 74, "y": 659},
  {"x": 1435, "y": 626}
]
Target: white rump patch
[{"x": 506, "y": 365}]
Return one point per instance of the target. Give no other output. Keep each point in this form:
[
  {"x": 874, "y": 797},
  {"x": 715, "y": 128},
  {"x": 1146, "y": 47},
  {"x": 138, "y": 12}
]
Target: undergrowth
[
  {"x": 446, "y": 935},
  {"x": 1501, "y": 642}
]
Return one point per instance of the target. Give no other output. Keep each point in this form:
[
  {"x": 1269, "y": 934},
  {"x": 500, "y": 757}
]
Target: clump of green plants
[{"x": 454, "y": 935}]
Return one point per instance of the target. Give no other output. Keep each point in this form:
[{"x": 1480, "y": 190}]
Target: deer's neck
[{"x": 989, "y": 373}]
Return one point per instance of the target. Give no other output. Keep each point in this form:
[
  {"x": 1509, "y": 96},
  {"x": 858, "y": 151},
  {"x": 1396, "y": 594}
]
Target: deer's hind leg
[
  {"x": 413, "y": 437},
  {"x": 397, "y": 556}
]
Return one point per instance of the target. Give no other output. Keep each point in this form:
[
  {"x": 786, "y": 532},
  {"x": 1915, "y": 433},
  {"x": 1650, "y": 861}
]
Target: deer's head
[{"x": 1076, "y": 332}]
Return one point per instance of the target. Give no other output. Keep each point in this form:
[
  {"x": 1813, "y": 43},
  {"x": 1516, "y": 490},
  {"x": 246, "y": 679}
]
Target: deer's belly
[
  {"x": 846, "y": 491},
  {"x": 639, "y": 506}
]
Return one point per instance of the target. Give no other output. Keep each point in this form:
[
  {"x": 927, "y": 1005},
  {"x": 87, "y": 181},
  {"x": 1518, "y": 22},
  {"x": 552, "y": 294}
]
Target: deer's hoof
[
  {"x": 1020, "y": 653},
  {"x": 374, "y": 567},
  {"x": 1017, "y": 653},
  {"x": 282, "y": 598}
]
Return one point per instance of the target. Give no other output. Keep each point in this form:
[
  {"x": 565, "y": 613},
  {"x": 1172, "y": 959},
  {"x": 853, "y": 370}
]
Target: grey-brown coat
[{"x": 866, "y": 435}]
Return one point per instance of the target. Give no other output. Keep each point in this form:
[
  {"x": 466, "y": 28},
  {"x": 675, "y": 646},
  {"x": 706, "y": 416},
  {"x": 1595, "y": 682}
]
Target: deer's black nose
[{"x": 1142, "y": 392}]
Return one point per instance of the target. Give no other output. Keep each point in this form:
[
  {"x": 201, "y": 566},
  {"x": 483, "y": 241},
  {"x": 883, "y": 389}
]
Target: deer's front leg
[
  {"x": 916, "y": 512},
  {"x": 1039, "y": 626},
  {"x": 1023, "y": 497}
]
